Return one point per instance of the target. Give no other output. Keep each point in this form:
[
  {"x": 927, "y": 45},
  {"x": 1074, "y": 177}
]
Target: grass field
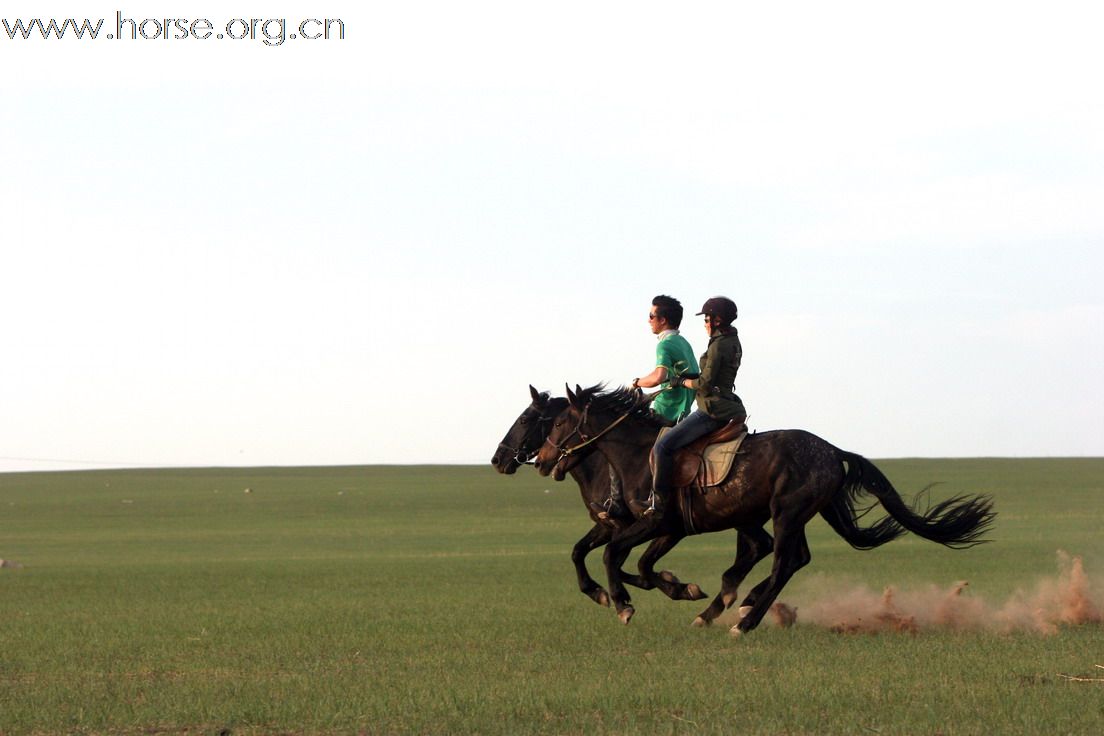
[{"x": 442, "y": 600}]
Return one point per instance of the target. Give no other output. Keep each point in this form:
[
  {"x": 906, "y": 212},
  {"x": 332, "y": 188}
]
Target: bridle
[
  {"x": 522, "y": 454},
  {"x": 566, "y": 452}
]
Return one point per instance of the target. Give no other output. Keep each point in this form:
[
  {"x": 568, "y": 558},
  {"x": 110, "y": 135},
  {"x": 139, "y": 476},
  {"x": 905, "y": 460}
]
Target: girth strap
[{"x": 686, "y": 499}]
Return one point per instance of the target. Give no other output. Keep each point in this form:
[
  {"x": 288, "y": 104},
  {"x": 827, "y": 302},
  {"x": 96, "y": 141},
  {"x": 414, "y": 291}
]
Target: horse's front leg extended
[
  {"x": 671, "y": 586},
  {"x": 596, "y": 537},
  {"x": 617, "y": 551}
]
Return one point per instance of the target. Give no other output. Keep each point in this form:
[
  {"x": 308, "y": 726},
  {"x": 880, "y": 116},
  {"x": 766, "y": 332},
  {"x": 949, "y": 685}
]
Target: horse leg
[
  {"x": 752, "y": 545},
  {"x": 671, "y": 586},
  {"x": 617, "y": 551},
  {"x": 593, "y": 539},
  {"x": 588, "y": 586},
  {"x": 753, "y": 596},
  {"x": 596, "y": 537},
  {"x": 791, "y": 553}
]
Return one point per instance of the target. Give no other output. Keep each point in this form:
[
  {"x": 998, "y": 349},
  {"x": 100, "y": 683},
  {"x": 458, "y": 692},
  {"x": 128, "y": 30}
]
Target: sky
[{"x": 364, "y": 250}]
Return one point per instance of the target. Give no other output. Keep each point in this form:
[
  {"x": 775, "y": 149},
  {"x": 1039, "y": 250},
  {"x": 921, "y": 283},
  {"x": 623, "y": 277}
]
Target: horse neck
[
  {"x": 592, "y": 475},
  {"x": 626, "y": 447}
]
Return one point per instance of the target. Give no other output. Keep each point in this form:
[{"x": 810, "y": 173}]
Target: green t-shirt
[{"x": 673, "y": 352}]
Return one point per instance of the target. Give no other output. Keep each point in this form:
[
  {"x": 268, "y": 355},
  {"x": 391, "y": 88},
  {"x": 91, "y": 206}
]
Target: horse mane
[
  {"x": 620, "y": 401},
  {"x": 555, "y": 404}
]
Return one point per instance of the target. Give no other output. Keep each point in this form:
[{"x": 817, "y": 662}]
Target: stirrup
[
  {"x": 608, "y": 512},
  {"x": 644, "y": 510},
  {"x": 600, "y": 510}
]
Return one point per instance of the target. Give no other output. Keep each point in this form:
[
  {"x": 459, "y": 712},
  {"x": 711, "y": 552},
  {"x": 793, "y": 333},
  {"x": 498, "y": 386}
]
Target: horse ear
[
  {"x": 535, "y": 394},
  {"x": 571, "y": 398}
]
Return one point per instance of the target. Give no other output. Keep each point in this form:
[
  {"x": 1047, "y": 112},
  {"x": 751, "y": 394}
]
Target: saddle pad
[
  {"x": 718, "y": 462},
  {"x": 713, "y": 465}
]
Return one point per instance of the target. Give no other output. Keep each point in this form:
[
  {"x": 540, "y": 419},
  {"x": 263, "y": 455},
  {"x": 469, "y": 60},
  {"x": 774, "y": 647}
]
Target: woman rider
[{"x": 717, "y": 403}]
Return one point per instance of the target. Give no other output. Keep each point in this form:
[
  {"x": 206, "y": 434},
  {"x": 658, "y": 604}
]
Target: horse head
[
  {"x": 565, "y": 446},
  {"x": 527, "y": 433}
]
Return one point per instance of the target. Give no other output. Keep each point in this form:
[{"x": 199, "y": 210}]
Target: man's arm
[
  {"x": 705, "y": 378},
  {"x": 653, "y": 379}
]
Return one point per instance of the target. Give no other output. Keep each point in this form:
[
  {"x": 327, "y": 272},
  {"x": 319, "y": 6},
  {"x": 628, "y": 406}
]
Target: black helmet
[{"x": 721, "y": 307}]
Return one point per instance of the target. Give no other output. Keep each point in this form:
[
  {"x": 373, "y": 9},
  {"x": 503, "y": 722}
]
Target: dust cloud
[{"x": 1064, "y": 600}]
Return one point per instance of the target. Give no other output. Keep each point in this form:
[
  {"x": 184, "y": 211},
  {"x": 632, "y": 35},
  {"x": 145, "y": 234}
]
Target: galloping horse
[
  {"x": 786, "y": 476},
  {"x": 591, "y": 472}
]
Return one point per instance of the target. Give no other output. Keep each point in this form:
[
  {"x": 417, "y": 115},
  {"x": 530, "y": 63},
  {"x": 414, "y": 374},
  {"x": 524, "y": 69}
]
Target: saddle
[{"x": 707, "y": 461}]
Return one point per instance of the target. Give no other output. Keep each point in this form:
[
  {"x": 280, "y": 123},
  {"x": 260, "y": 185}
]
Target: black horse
[
  {"x": 591, "y": 472},
  {"x": 785, "y": 476}
]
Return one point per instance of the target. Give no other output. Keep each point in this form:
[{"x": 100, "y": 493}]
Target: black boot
[
  {"x": 661, "y": 491},
  {"x": 611, "y": 513},
  {"x": 651, "y": 507}
]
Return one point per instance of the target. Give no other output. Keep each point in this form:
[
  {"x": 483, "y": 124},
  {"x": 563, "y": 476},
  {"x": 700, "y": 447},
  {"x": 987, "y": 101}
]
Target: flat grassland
[{"x": 442, "y": 600}]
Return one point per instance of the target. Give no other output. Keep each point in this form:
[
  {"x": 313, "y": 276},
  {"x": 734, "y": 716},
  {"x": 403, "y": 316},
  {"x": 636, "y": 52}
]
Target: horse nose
[{"x": 494, "y": 460}]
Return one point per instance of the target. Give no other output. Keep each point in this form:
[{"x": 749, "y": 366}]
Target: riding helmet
[{"x": 721, "y": 307}]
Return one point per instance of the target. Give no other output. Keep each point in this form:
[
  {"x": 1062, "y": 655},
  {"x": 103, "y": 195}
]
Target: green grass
[{"x": 442, "y": 600}]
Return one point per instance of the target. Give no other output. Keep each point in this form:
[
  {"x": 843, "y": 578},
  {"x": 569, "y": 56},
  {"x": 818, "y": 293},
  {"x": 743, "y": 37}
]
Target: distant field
[{"x": 442, "y": 600}]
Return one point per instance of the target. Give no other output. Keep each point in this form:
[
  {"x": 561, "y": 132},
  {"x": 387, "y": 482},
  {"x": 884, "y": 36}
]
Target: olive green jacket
[{"x": 715, "y": 395}]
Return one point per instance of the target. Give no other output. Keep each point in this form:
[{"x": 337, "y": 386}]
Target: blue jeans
[{"x": 693, "y": 427}]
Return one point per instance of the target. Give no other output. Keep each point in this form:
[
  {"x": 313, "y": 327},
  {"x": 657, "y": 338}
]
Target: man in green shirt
[{"x": 674, "y": 358}]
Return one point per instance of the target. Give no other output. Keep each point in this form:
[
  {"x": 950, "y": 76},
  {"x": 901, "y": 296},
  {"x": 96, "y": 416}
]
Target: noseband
[{"x": 523, "y": 455}]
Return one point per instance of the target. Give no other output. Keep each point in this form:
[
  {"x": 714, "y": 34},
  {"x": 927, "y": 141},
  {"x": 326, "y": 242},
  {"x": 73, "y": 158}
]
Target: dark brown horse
[
  {"x": 591, "y": 472},
  {"x": 785, "y": 476}
]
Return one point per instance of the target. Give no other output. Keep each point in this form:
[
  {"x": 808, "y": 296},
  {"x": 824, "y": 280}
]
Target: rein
[{"x": 568, "y": 452}]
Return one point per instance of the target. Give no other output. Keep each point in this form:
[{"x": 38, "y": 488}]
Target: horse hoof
[
  {"x": 694, "y": 593},
  {"x": 735, "y": 632},
  {"x": 626, "y": 614},
  {"x": 743, "y": 611},
  {"x": 699, "y": 623},
  {"x": 603, "y": 599}
]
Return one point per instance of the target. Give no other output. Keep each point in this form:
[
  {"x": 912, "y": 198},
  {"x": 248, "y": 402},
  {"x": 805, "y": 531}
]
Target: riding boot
[
  {"x": 611, "y": 513},
  {"x": 661, "y": 492},
  {"x": 657, "y": 502},
  {"x": 614, "y": 508},
  {"x": 652, "y": 506}
]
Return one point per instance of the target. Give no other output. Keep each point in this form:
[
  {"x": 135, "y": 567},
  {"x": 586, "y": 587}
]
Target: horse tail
[
  {"x": 958, "y": 523},
  {"x": 843, "y": 516}
]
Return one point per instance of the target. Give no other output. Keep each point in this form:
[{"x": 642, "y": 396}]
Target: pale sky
[{"x": 364, "y": 250}]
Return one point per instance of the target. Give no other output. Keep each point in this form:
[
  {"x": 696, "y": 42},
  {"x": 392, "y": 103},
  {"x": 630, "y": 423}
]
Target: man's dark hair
[{"x": 668, "y": 308}]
